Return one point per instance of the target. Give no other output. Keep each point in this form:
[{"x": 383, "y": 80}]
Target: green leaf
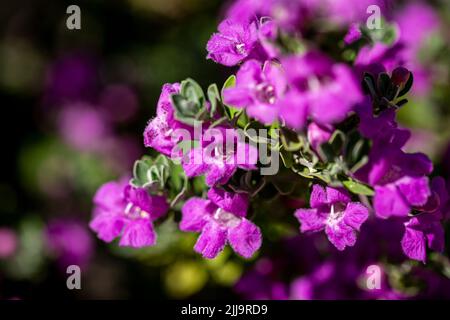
[
  {"x": 192, "y": 91},
  {"x": 230, "y": 111},
  {"x": 148, "y": 172},
  {"x": 189, "y": 104},
  {"x": 229, "y": 83},
  {"x": 358, "y": 188},
  {"x": 183, "y": 106},
  {"x": 214, "y": 98}
]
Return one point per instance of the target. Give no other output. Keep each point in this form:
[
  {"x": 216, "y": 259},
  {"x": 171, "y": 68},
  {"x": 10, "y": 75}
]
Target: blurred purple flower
[
  {"x": 258, "y": 90},
  {"x": 353, "y": 34},
  {"x": 83, "y": 126},
  {"x": 70, "y": 242},
  {"x": 8, "y": 243},
  {"x": 346, "y": 12},
  {"x": 417, "y": 22},
  {"x": 330, "y": 89},
  {"x": 71, "y": 78}
]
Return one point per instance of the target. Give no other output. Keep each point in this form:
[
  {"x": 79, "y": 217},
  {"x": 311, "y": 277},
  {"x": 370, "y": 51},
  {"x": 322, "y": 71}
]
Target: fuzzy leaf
[{"x": 358, "y": 188}]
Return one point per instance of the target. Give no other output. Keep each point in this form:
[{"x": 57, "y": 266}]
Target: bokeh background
[{"x": 74, "y": 106}]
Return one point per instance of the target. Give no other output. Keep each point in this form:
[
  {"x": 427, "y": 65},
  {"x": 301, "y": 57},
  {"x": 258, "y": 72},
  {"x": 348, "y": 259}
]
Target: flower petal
[
  {"x": 107, "y": 226},
  {"x": 341, "y": 235},
  {"x": 413, "y": 244},
  {"x": 388, "y": 201},
  {"x": 318, "y": 196},
  {"x": 355, "y": 215},
  {"x": 138, "y": 233},
  {"x": 235, "y": 203},
  {"x": 335, "y": 195},
  {"x": 194, "y": 164},
  {"x": 194, "y": 214},
  {"x": 415, "y": 190},
  {"x": 245, "y": 239},
  {"x": 310, "y": 220},
  {"x": 211, "y": 241}
]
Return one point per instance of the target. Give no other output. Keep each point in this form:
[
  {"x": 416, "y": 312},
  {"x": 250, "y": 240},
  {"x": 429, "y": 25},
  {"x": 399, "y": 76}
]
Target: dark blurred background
[{"x": 76, "y": 103}]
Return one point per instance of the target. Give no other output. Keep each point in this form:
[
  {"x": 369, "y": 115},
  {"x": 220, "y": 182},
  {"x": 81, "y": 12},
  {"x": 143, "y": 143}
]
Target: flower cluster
[{"x": 330, "y": 115}]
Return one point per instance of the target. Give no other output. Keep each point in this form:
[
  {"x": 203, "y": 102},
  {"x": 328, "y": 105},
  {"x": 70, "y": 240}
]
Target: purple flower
[
  {"x": 345, "y": 12},
  {"x": 399, "y": 179},
  {"x": 221, "y": 220},
  {"x": 330, "y": 89},
  {"x": 258, "y": 90},
  {"x": 127, "y": 212},
  {"x": 288, "y": 14},
  {"x": 425, "y": 229},
  {"x": 318, "y": 134},
  {"x": 70, "y": 242},
  {"x": 332, "y": 211},
  {"x": 417, "y": 23},
  {"x": 83, "y": 126},
  {"x": 218, "y": 157},
  {"x": 267, "y": 34},
  {"x": 9, "y": 243},
  {"x": 73, "y": 77},
  {"x": 234, "y": 42},
  {"x": 158, "y": 133}
]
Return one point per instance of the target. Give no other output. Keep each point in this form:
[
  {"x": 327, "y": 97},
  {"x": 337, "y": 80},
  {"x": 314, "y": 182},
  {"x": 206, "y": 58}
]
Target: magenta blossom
[
  {"x": 288, "y": 14},
  {"x": 70, "y": 242},
  {"x": 258, "y": 90},
  {"x": 221, "y": 220},
  {"x": 400, "y": 181},
  {"x": 158, "y": 133},
  {"x": 127, "y": 212},
  {"x": 399, "y": 178},
  {"x": 330, "y": 89},
  {"x": 318, "y": 134},
  {"x": 83, "y": 126},
  {"x": 234, "y": 42},
  {"x": 332, "y": 211},
  {"x": 425, "y": 230},
  {"x": 417, "y": 23},
  {"x": 221, "y": 153}
]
